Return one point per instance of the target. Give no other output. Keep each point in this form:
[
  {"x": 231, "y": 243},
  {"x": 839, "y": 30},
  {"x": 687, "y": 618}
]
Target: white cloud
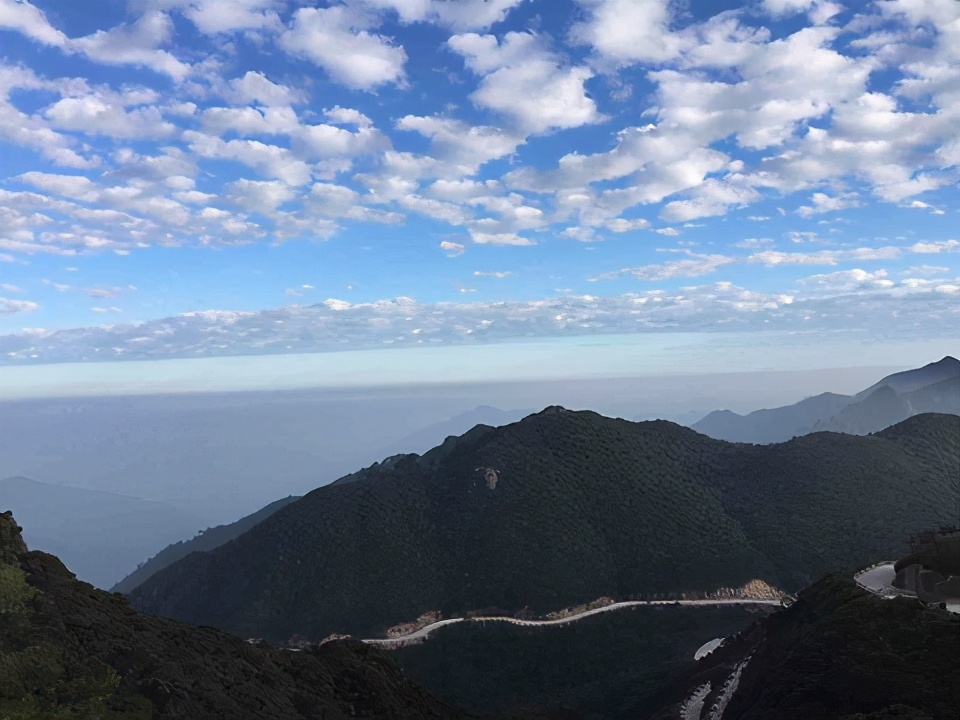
[
  {"x": 526, "y": 82},
  {"x": 329, "y": 200},
  {"x": 924, "y": 270},
  {"x": 338, "y": 40},
  {"x": 492, "y": 274},
  {"x": 348, "y": 116},
  {"x": 250, "y": 121},
  {"x": 11, "y": 307},
  {"x": 336, "y": 305},
  {"x": 936, "y": 246},
  {"x": 823, "y": 203},
  {"x": 580, "y": 233},
  {"x": 260, "y": 195},
  {"x": 753, "y": 242},
  {"x": 436, "y": 209},
  {"x": 32, "y": 131},
  {"x": 784, "y": 7},
  {"x": 508, "y": 238},
  {"x": 465, "y": 146},
  {"x": 848, "y": 281},
  {"x": 920, "y": 205},
  {"x": 452, "y": 249},
  {"x": 95, "y": 115},
  {"x": 94, "y": 292},
  {"x": 77, "y": 187},
  {"x": 272, "y": 160},
  {"x": 224, "y": 16},
  {"x": 773, "y": 258},
  {"x": 462, "y": 190},
  {"x": 711, "y": 198},
  {"x": 335, "y": 324},
  {"x": 136, "y": 44},
  {"x": 628, "y": 31},
  {"x": 255, "y": 87},
  {"x": 694, "y": 266},
  {"x": 459, "y": 16},
  {"x": 621, "y": 225},
  {"x": 819, "y": 11},
  {"x": 29, "y": 20}
]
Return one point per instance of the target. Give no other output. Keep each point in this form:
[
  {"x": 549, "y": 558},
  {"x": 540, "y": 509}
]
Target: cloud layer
[{"x": 507, "y": 146}]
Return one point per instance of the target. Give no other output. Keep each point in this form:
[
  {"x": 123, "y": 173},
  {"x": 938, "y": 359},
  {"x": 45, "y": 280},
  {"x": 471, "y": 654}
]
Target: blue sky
[{"x": 185, "y": 178}]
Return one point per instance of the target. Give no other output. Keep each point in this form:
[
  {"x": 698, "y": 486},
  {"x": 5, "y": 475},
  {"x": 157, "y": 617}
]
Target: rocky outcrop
[{"x": 11, "y": 542}]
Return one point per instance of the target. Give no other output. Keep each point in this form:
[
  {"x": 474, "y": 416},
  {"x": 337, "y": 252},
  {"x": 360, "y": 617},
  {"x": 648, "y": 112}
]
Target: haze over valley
[{"x": 194, "y": 461}]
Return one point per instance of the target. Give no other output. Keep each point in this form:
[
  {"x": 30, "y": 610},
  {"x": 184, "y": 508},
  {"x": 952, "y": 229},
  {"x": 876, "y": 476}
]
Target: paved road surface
[{"x": 424, "y": 632}]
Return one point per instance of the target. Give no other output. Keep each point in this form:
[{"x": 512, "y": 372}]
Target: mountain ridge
[
  {"x": 886, "y": 402},
  {"x": 559, "y": 509},
  {"x": 208, "y": 539}
]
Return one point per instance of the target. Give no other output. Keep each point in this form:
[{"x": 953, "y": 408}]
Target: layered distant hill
[
  {"x": 562, "y": 508},
  {"x": 435, "y": 433},
  {"x": 204, "y": 541},
  {"x": 934, "y": 388},
  {"x": 68, "y": 650},
  {"x": 102, "y": 535},
  {"x": 839, "y": 652}
]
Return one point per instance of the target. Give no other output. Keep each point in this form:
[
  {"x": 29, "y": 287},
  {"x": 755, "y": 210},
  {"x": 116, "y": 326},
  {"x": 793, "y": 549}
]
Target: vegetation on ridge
[
  {"x": 68, "y": 650},
  {"x": 840, "y": 652},
  {"x": 584, "y": 507}
]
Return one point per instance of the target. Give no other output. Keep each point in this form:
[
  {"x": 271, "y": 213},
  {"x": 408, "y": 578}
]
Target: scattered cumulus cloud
[
  {"x": 452, "y": 249},
  {"x": 339, "y": 39},
  {"x": 512, "y": 127},
  {"x": 695, "y": 265}
]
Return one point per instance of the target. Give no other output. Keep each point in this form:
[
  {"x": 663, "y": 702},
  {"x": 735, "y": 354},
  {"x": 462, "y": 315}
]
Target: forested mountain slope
[
  {"x": 839, "y": 652},
  {"x": 69, "y": 650},
  {"x": 562, "y": 508}
]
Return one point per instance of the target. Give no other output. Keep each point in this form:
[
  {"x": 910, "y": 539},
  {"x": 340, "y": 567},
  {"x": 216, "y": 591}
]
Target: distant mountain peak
[
  {"x": 553, "y": 410},
  {"x": 931, "y": 388}
]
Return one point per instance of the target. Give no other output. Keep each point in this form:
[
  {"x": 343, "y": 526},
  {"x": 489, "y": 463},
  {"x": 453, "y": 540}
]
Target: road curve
[{"x": 421, "y": 634}]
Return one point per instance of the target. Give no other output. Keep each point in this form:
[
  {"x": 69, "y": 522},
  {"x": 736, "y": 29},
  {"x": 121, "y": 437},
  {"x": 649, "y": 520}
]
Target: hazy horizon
[{"x": 579, "y": 358}]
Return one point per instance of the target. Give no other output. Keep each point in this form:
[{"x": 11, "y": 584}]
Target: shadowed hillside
[
  {"x": 206, "y": 540},
  {"x": 70, "y": 651},
  {"x": 559, "y": 509},
  {"x": 838, "y": 652},
  {"x": 612, "y": 666}
]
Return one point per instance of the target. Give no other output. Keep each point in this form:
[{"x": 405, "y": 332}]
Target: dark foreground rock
[{"x": 69, "y": 650}]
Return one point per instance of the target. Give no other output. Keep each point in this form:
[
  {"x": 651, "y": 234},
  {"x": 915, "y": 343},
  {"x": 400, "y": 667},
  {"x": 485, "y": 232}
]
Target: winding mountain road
[{"x": 424, "y": 632}]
